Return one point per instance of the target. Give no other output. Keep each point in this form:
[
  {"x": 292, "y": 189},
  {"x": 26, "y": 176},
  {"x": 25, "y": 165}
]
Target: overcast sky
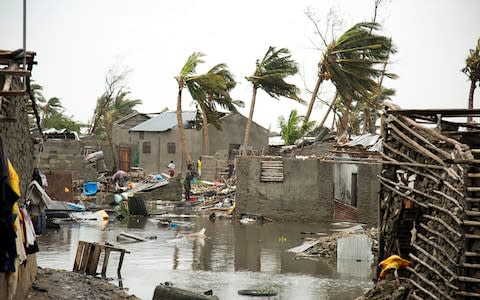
[{"x": 77, "y": 41}]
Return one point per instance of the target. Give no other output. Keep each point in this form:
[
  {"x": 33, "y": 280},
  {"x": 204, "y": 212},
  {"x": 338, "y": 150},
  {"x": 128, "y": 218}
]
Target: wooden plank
[
  {"x": 472, "y": 213},
  {"x": 15, "y": 72},
  {"x": 469, "y": 279},
  {"x": 468, "y": 294},
  {"x": 469, "y": 253},
  {"x": 120, "y": 263},
  {"x": 132, "y": 236},
  {"x": 473, "y": 188},
  {"x": 105, "y": 261},
  {"x": 94, "y": 258},
  {"x": 471, "y": 223},
  {"x": 473, "y": 200},
  {"x": 85, "y": 257},
  {"x": 78, "y": 256},
  {"x": 473, "y": 175},
  {"x": 472, "y": 236},
  {"x": 13, "y": 93},
  {"x": 471, "y": 266}
]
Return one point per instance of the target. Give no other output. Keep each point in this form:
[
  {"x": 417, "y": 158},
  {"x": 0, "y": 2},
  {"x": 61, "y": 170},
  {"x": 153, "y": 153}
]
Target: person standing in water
[{"x": 187, "y": 182}]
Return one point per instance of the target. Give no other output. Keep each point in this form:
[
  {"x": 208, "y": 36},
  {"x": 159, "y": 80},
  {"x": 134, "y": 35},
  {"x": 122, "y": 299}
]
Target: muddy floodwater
[{"x": 232, "y": 257}]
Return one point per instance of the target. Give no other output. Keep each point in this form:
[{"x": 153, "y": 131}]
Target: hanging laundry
[
  {"x": 37, "y": 200},
  {"x": 30, "y": 237},
  {"x": 9, "y": 193}
]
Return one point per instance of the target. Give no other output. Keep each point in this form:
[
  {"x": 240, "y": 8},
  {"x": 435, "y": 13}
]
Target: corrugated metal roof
[{"x": 164, "y": 121}]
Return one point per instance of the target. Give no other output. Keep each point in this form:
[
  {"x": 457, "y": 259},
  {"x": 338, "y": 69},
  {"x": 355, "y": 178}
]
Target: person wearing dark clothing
[{"x": 187, "y": 183}]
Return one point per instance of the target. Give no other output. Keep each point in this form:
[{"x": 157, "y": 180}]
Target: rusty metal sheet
[{"x": 60, "y": 185}]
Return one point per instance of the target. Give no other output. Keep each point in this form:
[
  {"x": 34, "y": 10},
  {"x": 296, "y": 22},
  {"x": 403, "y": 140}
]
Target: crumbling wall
[
  {"x": 68, "y": 155},
  {"x": 306, "y": 193},
  {"x": 19, "y": 147}
]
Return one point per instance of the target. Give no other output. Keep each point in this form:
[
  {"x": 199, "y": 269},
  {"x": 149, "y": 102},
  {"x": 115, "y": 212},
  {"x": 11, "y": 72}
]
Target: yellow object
[
  {"x": 66, "y": 189},
  {"x": 103, "y": 214},
  {"x": 13, "y": 177},
  {"x": 393, "y": 262}
]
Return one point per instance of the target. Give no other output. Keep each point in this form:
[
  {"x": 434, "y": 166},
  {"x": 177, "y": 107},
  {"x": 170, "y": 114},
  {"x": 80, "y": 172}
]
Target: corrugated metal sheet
[
  {"x": 164, "y": 121},
  {"x": 366, "y": 140}
]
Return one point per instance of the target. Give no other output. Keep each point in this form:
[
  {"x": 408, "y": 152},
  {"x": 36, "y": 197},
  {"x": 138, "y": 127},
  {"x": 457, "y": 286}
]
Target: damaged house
[{"x": 430, "y": 201}]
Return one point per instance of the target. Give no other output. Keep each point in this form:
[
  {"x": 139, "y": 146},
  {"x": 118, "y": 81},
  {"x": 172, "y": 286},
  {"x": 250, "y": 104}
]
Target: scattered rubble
[{"x": 327, "y": 245}]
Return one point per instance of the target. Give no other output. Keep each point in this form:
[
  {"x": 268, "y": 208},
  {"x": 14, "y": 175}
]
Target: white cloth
[
  {"x": 171, "y": 165},
  {"x": 29, "y": 229},
  {"x": 37, "y": 197}
]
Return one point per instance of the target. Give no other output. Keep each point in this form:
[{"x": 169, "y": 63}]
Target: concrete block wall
[
  {"x": 368, "y": 193},
  {"x": 306, "y": 194},
  {"x": 68, "y": 155}
]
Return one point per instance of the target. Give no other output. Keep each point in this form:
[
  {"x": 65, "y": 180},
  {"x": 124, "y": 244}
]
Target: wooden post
[
  {"x": 85, "y": 256},
  {"x": 105, "y": 261},
  {"x": 78, "y": 256},
  {"x": 120, "y": 262},
  {"x": 93, "y": 259}
]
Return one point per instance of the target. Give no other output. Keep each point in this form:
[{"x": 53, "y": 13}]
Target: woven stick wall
[{"x": 430, "y": 200}]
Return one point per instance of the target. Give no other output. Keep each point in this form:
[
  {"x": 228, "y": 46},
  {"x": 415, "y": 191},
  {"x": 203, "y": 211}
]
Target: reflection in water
[{"x": 233, "y": 256}]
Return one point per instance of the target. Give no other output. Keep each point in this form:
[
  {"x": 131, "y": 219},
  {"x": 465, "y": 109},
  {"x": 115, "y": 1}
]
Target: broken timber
[
  {"x": 271, "y": 171},
  {"x": 437, "y": 171},
  {"x": 88, "y": 257}
]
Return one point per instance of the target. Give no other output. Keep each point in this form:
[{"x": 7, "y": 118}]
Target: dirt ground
[{"x": 58, "y": 284}]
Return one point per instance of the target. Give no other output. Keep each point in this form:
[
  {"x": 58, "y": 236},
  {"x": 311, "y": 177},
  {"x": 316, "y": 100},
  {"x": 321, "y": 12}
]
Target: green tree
[
  {"x": 217, "y": 82},
  {"x": 50, "y": 107},
  {"x": 292, "y": 129},
  {"x": 269, "y": 76},
  {"x": 112, "y": 105},
  {"x": 58, "y": 120},
  {"x": 472, "y": 70},
  {"x": 352, "y": 63},
  {"x": 209, "y": 91}
]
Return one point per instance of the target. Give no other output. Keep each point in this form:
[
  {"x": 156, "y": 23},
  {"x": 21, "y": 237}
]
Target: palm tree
[
  {"x": 209, "y": 91},
  {"x": 291, "y": 129},
  {"x": 109, "y": 109},
  {"x": 217, "y": 95},
  {"x": 50, "y": 107},
  {"x": 269, "y": 75},
  {"x": 186, "y": 78},
  {"x": 350, "y": 62},
  {"x": 472, "y": 70}
]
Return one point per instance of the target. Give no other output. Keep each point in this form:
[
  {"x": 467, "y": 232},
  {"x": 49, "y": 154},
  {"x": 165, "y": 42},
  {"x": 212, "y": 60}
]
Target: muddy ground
[{"x": 59, "y": 284}]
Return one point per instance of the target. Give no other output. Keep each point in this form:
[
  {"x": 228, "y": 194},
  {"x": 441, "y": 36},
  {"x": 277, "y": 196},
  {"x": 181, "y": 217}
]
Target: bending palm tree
[
  {"x": 208, "y": 90},
  {"x": 51, "y": 106},
  {"x": 472, "y": 70},
  {"x": 109, "y": 109},
  {"x": 269, "y": 76},
  {"x": 350, "y": 63}
]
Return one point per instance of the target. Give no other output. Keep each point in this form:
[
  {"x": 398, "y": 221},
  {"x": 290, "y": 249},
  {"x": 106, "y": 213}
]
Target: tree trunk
[
  {"x": 345, "y": 118},
  {"x": 470, "y": 100},
  {"x": 206, "y": 138},
  {"x": 108, "y": 130},
  {"x": 330, "y": 107},
  {"x": 249, "y": 121},
  {"x": 312, "y": 100},
  {"x": 181, "y": 131}
]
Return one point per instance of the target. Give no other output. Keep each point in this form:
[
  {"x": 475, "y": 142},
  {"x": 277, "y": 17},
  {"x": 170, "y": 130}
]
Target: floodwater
[{"x": 232, "y": 257}]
